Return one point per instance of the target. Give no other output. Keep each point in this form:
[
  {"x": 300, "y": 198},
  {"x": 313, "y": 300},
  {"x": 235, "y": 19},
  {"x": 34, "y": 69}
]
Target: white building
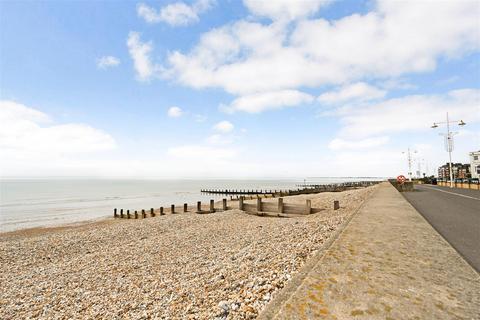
[{"x": 475, "y": 164}]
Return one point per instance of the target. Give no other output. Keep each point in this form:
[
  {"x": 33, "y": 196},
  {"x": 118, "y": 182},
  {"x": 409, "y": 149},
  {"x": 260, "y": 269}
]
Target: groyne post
[
  {"x": 161, "y": 211},
  {"x": 336, "y": 205},
  {"x": 115, "y": 212},
  {"x": 308, "y": 206},
  {"x": 185, "y": 207},
  {"x": 280, "y": 205},
  {"x": 128, "y": 214},
  {"x": 224, "y": 204},
  {"x": 240, "y": 203},
  {"x": 136, "y": 214},
  {"x": 212, "y": 206},
  {"x": 259, "y": 204},
  {"x": 152, "y": 212},
  {"x": 121, "y": 213},
  {"x": 199, "y": 206},
  {"x": 172, "y": 208},
  {"x": 144, "y": 215}
]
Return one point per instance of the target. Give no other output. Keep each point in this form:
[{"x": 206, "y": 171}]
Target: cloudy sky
[{"x": 246, "y": 88}]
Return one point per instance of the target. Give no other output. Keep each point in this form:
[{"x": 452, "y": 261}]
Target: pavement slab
[{"x": 388, "y": 263}]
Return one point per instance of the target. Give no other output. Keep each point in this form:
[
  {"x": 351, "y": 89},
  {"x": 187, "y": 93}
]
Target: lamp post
[
  {"x": 449, "y": 142},
  {"x": 409, "y": 158}
]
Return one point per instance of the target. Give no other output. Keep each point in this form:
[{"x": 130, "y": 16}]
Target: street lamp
[
  {"x": 449, "y": 142},
  {"x": 409, "y": 158}
]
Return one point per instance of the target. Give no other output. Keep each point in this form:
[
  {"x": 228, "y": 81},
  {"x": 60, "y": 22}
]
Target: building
[
  {"x": 460, "y": 171},
  {"x": 475, "y": 164}
]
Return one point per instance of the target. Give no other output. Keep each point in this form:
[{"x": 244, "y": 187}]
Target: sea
[{"x": 30, "y": 203}]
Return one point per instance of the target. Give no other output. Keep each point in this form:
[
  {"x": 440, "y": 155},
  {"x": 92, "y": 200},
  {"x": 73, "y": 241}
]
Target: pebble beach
[{"x": 224, "y": 265}]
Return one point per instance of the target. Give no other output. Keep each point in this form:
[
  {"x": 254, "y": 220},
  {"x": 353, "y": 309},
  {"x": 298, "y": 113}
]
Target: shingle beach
[{"x": 225, "y": 265}]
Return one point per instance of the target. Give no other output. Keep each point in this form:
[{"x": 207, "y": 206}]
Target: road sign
[{"x": 401, "y": 179}]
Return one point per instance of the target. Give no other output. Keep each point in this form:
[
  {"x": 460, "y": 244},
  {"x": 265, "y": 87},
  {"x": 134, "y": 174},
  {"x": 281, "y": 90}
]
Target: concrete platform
[{"x": 388, "y": 263}]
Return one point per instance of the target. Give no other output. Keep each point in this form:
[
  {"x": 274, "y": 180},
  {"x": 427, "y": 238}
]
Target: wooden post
[
  {"x": 185, "y": 207},
  {"x": 172, "y": 208},
  {"x": 280, "y": 205},
  {"x": 240, "y": 203},
  {"x": 152, "y": 212},
  {"x": 212, "y": 206},
  {"x": 224, "y": 204},
  {"x": 136, "y": 214},
  {"x": 128, "y": 214},
  {"x": 121, "y": 213},
  {"x": 308, "y": 206},
  {"x": 199, "y": 206},
  {"x": 336, "y": 205},
  {"x": 144, "y": 215},
  {"x": 161, "y": 211},
  {"x": 115, "y": 212},
  {"x": 259, "y": 204}
]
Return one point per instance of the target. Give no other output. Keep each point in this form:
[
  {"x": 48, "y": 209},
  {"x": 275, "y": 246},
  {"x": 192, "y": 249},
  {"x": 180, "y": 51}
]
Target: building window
[
  {"x": 478, "y": 169},
  {"x": 475, "y": 157}
]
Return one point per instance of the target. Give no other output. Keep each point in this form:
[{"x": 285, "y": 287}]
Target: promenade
[{"x": 388, "y": 263}]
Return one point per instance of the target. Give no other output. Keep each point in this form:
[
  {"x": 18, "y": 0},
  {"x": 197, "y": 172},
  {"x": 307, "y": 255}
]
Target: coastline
[{"x": 179, "y": 266}]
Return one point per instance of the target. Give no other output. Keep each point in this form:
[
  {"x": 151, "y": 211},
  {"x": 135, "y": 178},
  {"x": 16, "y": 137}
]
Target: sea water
[{"x": 27, "y": 203}]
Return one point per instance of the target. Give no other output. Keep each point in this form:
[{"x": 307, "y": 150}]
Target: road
[{"x": 455, "y": 214}]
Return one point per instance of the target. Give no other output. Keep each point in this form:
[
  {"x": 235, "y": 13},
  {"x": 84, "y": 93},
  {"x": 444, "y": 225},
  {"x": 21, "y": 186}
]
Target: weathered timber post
[
  {"x": 136, "y": 214},
  {"x": 121, "y": 213},
  {"x": 224, "y": 204},
  {"x": 161, "y": 211},
  {"x": 212, "y": 206},
  {"x": 199, "y": 206},
  {"x": 152, "y": 212},
  {"x": 115, "y": 212},
  {"x": 172, "y": 208},
  {"x": 280, "y": 205},
  {"x": 144, "y": 215},
  {"x": 308, "y": 206},
  {"x": 259, "y": 204},
  {"x": 185, "y": 207},
  {"x": 128, "y": 214},
  {"x": 240, "y": 203},
  {"x": 336, "y": 205}
]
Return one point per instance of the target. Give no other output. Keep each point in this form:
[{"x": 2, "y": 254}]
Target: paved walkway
[
  {"x": 455, "y": 214},
  {"x": 388, "y": 263}
]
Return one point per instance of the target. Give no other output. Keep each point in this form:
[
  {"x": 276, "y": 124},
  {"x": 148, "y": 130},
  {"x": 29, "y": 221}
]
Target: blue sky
[{"x": 254, "y": 89}]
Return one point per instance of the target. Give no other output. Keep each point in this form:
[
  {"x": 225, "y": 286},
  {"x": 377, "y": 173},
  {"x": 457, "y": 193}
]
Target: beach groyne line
[
  {"x": 261, "y": 208},
  {"x": 278, "y": 209},
  {"x": 305, "y": 189}
]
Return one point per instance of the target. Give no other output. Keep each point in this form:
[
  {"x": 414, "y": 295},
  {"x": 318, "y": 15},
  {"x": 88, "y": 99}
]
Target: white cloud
[
  {"x": 224, "y": 126},
  {"x": 341, "y": 144},
  {"x": 394, "y": 39},
  {"x": 194, "y": 152},
  {"x": 175, "y": 14},
  {"x": 140, "y": 53},
  {"x": 107, "y": 61},
  {"x": 200, "y": 118},
  {"x": 218, "y": 139},
  {"x": 259, "y": 102},
  {"x": 174, "y": 112},
  {"x": 359, "y": 91},
  {"x": 284, "y": 9},
  {"x": 409, "y": 113},
  {"x": 28, "y": 134}
]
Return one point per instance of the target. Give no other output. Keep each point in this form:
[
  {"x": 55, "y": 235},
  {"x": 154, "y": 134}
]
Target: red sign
[{"x": 401, "y": 179}]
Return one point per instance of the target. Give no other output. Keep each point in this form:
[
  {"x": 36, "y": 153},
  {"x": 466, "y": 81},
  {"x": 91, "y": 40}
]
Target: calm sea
[{"x": 41, "y": 203}]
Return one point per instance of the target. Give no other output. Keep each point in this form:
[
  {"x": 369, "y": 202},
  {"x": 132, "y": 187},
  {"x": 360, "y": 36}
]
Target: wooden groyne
[
  {"x": 279, "y": 209},
  {"x": 303, "y": 189},
  {"x": 260, "y": 208}
]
